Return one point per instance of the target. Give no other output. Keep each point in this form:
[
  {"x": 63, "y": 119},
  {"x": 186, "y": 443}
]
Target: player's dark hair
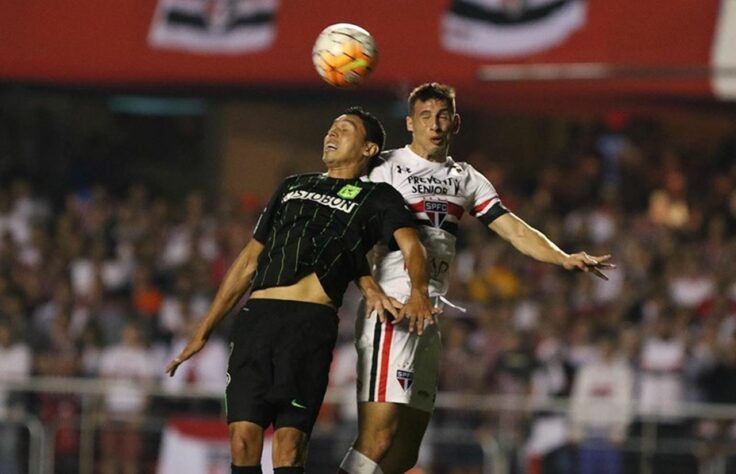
[
  {"x": 374, "y": 131},
  {"x": 433, "y": 90}
]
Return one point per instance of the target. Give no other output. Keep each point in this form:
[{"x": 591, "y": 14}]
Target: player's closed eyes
[
  {"x": 428, "y": 117},
  {"x": 343, "y": 127}
]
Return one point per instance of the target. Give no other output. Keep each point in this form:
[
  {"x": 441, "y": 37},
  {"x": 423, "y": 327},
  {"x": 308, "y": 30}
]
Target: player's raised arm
[
  {"x": 529, "y": 241},
  {"x": 231, "y": 290},
  {"x": 418, "y": 307}
]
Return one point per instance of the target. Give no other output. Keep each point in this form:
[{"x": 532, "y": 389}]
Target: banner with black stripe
[
  {"x": 214, "y": 26},
  {"x": 504, "y": 28}
]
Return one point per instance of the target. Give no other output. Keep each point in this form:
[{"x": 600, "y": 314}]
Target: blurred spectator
[
  {"x": 662, "y": 365},
  {"x": 668, "y": 206},
  {"x": 601, "y": 410},
  {"x": 15, "y": 365},
  {"x": 181, "y": 305},
  {"x": 461, "y": 373},
  {"x": 90, "y": 350},
  {"x": 146, "y": 295},
  {"x": 547, "y": 446},
  {"x": 125, "y": 366},
  {"x": 580, "y": 347},
  {"x": 690, "y": 285},
  {"x": 719, "y": 382},
  {"x": 719, "y": 386},
  {"x": 13, "y": 223}
]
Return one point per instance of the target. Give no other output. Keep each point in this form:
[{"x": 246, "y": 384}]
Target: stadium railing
[{"x": 497, "y": 447}]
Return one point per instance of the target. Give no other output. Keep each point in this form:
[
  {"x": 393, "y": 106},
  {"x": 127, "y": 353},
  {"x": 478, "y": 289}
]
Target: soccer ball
[{"x": 344, "y": 54}]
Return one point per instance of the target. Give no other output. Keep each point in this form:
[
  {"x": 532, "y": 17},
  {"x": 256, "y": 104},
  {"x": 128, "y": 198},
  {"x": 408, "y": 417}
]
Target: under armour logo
[{"x": 400, "y": 170}]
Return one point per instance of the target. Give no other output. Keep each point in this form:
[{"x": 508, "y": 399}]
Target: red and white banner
[
  {"x": 201, "y": 445},
  {"x": 214, "y": 26},
  {"x": 510, "y": 28},
  {"x": 724, "y": 52},
  {"x": 258, "y": 43}
]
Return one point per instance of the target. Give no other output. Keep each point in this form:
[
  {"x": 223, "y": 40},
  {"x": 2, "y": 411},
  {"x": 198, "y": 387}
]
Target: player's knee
[
  {"x": 376, "y": 443},
  {"x": 408, "y": 461},
  {"x": 400, "y": 464},
  {"x": 245, "y": 444},
  {"x": 289, "y": 447}
]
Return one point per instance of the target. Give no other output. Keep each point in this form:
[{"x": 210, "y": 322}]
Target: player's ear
[
  {"x": 456, "y": 123},
  {"x": 409, "y": 124},
  {"x": 370, "y": 149}
]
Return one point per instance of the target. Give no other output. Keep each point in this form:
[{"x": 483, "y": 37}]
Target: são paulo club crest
[
  {"x": 436, "y": 211},
  {"x": 405, "y": 378}
]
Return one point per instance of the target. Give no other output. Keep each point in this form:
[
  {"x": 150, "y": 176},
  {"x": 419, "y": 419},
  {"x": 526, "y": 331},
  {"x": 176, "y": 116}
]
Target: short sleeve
[
  {"x": 265, "y": 220},
  {"x": 363, "y": 268},
  {"x": 487, "y": 205},
  {"x": 394, "y": 212}
]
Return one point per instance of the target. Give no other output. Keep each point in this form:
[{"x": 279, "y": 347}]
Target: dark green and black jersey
[{"x": 324, "y": 225}]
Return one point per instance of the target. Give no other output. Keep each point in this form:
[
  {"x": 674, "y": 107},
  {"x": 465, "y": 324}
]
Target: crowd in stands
[{"x": 109, "y": 285}]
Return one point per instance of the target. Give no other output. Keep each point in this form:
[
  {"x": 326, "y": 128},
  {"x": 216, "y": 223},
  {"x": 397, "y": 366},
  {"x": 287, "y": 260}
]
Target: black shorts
[{"x": 280, "y": 362}]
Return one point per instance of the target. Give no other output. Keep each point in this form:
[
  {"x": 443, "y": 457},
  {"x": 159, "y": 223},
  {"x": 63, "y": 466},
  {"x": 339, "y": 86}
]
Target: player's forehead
[
  {"x": 431, "y": 106},
  {"x": 349, "y": 120}
]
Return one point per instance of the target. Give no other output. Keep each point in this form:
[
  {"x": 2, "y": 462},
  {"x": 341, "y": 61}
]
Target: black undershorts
[{"x": 280, "y": 362}]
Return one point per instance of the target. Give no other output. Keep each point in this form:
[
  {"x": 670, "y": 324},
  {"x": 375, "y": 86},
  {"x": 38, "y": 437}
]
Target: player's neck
[
  {"x": 439, "y": 156},
  {"x": 345, "y": 171}
]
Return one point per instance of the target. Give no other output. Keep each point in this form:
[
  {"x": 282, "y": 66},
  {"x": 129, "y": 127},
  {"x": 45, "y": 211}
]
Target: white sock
[{"x": 356, "y": 462}]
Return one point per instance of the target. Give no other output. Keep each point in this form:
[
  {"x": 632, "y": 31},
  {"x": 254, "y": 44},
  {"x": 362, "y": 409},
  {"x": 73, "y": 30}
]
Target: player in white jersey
[{"x": 397, "y": 367}]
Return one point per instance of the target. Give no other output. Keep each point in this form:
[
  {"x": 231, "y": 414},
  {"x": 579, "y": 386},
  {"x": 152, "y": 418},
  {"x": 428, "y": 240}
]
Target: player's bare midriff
[{"x": 308, "y": 289}]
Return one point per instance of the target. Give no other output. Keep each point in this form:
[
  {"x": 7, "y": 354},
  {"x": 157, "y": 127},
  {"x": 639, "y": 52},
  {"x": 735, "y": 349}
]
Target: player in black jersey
[{"x": 309, "y": 242}]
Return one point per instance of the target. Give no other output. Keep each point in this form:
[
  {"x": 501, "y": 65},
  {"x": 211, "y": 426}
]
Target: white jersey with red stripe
[
  {"x": 395, "y": 365},
  {"x": 439, "y": 194}
]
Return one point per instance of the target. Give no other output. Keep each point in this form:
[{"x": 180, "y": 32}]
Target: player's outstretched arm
[
  {"x": 419, "y": 307},
  {"x": 233, "y": 288},
  {"x": 529, "y": 241}
]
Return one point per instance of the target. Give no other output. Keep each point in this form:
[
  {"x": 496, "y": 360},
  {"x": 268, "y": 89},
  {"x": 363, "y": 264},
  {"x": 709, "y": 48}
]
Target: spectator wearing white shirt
[
  {"x": 15, "y": 365},
  {"x": 690, "y": 284},
  {"x": 602, "y": 398},
  {"x": 126, "y": 366},
  {"x": 662, "y": 362}
]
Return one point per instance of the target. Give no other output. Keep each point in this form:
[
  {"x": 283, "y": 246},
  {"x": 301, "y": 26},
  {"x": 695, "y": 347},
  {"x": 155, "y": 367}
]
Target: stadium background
[{"x": 136, "y": 149}]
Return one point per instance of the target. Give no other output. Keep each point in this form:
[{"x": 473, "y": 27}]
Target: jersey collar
[{"x": 448, "y": 161}]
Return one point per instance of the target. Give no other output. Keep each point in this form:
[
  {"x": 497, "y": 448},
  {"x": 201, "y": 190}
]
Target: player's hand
[
  {"x": 587, "y": 263},
  {"x": 380, "y": 302},
  {"x": 194, "y": 346},
  {"x": 419, "y": 310}
]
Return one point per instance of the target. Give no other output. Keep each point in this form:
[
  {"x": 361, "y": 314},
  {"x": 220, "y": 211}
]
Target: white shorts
[{"x": 395, "y": 365}]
